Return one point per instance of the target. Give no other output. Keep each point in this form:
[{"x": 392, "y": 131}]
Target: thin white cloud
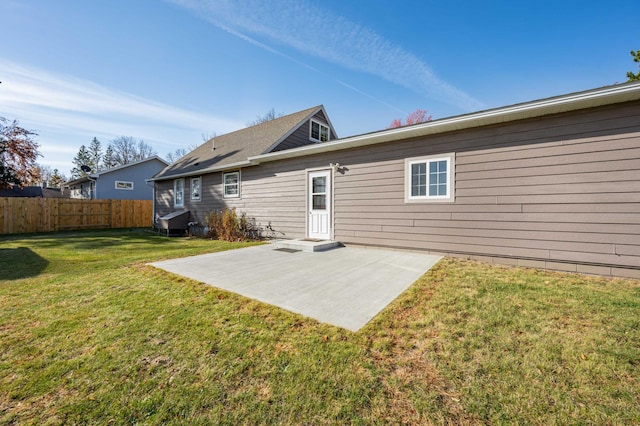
[
  {"x": 355, "y": 89},
  {"x": 65, "y": 102},
  {"x": 67, "y": 112},
  {"x": 311, "y": 30}
]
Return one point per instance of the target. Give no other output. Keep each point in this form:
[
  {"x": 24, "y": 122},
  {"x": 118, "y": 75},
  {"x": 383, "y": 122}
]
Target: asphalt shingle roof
[
  {"x": 32, "y": 191},
  {"x": 238, "y": 146}
]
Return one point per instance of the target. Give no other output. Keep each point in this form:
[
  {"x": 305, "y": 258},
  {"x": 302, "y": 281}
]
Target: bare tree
[
  {"x": 45, "y": 173},
  {"x": 181, "y": 152},
  {"x": 208, "y": 136},
  {"x": 176, "y": 155},
  {"x": 268, "y": 116},
  {"x": 127, "y": 149}
]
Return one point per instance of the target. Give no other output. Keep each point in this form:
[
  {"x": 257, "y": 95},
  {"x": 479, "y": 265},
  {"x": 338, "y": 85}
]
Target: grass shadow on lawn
[
  {"x": 92, "y": 239},
  {"x": 21, "y": 262}
]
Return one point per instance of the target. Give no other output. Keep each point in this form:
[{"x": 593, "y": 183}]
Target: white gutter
[
  {"x": 588, "y": 99},
  {"x": 593, "y": 98}
]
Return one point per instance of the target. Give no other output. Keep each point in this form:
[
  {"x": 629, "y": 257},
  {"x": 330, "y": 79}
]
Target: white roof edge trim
[
  {"x": 565, "y": 103},
  {"x": 124, "y": 166},
  {"x": 205, "y": 171},
  {"x": 96, "y": 175}
]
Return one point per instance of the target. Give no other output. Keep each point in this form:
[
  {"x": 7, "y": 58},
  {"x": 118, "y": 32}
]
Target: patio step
[{"x": 307, "y": 244}]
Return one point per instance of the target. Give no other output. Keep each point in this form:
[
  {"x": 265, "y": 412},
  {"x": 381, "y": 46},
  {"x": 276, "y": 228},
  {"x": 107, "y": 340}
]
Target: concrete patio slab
[{"x": 346, "y": 286}]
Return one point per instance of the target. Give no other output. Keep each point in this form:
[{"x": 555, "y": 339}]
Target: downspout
[{"x": 153, "y": 204}]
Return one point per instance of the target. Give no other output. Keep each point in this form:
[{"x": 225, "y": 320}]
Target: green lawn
[{"x": 90, "y": 334}]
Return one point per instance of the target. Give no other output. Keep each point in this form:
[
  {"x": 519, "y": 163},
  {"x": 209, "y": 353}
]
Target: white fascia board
[
  {"x": 124, "y": 166},
  {"x": 576, "y": 101}
]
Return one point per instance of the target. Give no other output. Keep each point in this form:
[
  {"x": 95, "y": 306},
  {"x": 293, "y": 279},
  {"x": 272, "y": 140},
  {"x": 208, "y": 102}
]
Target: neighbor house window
[
  {"x": 178, "y": 193},
  {"x": 195, "y": 189},
  {"x": 124, "y": 185},
  {"x": 319, "y": 132},
  {"x": 430, "y": 178},
  {"x": 231, "y": 182}
]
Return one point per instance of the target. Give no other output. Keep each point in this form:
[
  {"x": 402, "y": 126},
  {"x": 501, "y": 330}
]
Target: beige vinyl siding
[
  {"x": 301, "y": 136},
  {"x": 562, "y": 189},
  {"x": 275, "y": 194},
  {"x": 268, "y": 195},
  {"x": 561, "y": 192}
]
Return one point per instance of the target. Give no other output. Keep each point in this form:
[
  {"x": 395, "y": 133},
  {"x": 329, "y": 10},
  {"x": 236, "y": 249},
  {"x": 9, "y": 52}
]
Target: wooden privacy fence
[{"x": 23, "y": 215}]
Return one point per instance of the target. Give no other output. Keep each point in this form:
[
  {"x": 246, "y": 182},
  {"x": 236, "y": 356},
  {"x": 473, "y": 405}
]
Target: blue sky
[{"x": 169, "y": 72}]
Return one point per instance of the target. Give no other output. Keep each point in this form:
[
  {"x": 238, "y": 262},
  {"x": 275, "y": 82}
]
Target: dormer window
[{"x": 319, "y": 132}]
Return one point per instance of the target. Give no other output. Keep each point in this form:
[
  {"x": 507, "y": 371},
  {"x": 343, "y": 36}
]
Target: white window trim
[
  {"x": 319, "y": 131},
  {"x": 175, "y": 193},
  {"x": 126, "y": 183},
  {"x": 449, "y": 198},
  {"x": 199, "y": 197},
  {"x": 224, "y": 185}
]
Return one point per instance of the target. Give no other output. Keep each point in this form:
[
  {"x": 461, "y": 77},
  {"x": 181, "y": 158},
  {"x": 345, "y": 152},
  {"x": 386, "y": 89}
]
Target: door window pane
[
  {"x": 319, "y": 202},
  {"x": 319, "y": 185}
]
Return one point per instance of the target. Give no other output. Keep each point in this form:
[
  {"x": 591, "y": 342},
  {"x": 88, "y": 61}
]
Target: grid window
[
  {"x": 231, "y": 182},
  {"x": 429, "y": 178},
  {"x": 319, "y": 132}
]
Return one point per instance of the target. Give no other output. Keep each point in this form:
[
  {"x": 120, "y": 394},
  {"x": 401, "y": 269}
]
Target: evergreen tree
[
  {"x": 95, "y": 155},
  {"x": 56, "y": 180},
  {"x": 636, "y": 58},
  {"x": 108, "y": 161},
  {"x": 82, "y": 158}
]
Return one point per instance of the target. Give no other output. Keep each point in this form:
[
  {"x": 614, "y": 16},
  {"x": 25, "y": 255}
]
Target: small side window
[
  {"x": 124, "y": 185},
  {"x": 195, "y": 189},
  {"x": 178, "y": 193},
  {"x": 319, "y": 132},
  {"x": 430, "y": 179}
]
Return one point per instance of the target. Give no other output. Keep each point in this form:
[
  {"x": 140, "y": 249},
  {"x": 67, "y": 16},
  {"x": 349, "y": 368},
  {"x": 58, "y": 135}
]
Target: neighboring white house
[{"x": 127, "y": 182}]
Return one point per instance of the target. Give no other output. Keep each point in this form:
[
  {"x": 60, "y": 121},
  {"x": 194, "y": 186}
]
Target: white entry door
[{"x": 319, "y": 205}]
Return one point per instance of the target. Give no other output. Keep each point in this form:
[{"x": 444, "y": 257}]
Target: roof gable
[
  {"x": 233, "y": 149},
  {"x": 99, "y": 173},
  {"x": 123, "y": 166}
]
